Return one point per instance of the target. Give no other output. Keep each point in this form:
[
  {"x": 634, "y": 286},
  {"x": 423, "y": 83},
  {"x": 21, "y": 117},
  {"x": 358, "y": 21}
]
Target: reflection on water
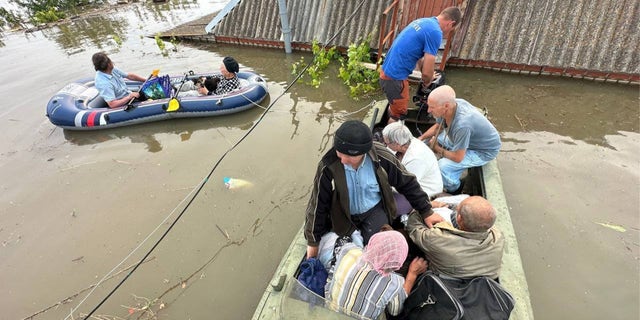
[
  {"x": 102, "y": 32},
  {"x": 146, "y": 133},
  {"x": 581, "y": 109},
  {"x": 109, "y": 28}
]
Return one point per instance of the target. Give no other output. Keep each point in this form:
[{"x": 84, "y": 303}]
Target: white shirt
[{"x": 420, "y": 160}]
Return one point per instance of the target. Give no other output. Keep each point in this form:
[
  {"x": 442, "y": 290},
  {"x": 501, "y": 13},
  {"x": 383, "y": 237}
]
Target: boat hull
[
  {"x": 285, "y": 298},
  {"x": 78, "y": 106}
]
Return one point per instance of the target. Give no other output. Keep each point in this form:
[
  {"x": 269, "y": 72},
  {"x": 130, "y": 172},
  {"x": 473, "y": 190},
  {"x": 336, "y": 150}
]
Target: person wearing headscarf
[
  {"x": 362, "y": 283},
  {"x": 352, "y": 189}
]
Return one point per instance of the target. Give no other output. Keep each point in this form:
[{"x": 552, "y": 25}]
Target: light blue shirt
[
  {"x": 470, "y": 130},
  {"x": 111, "y": 86},
  {"x": 364, "y": 191}
]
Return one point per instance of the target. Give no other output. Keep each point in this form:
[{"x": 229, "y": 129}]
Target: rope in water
[{"x": 196, "y": 191}]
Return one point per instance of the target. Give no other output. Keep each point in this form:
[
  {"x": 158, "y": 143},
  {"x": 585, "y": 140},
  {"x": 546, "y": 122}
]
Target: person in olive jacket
[{"x": 352, "y": 188}]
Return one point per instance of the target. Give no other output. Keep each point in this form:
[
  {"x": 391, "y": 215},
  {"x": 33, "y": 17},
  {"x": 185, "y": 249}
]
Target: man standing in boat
[
  {"x": 465, "y": 138},
  {"x": 110, "y": 81},
  {"x": 352, "y": 188},
  {"x": 415, "y": 47}
]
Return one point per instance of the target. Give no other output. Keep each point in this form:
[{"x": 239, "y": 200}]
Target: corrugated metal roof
[
  {"x": 309, "y": 20},
  {"x": 581, "y": 38},
  {"x": 601, "y": 35}
]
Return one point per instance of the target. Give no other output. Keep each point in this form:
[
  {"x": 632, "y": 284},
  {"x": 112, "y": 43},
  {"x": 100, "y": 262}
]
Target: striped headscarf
[{"x": 386, "y": 251}]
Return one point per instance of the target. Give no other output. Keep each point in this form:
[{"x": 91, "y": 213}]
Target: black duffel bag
[{"x": 436, "y": 297}]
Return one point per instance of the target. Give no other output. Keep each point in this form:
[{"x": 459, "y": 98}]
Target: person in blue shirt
[
  {"x": 352, "y": 189},
  {"x": 110, "y": 83},
  {"x": 415, "y": 47},
  {"x": 465, "y": 138}
]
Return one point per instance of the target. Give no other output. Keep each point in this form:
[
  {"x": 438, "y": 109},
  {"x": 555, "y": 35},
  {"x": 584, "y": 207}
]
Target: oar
[
  {"x": 154, "y": 73},
  {"x": 174, "y": 104}
]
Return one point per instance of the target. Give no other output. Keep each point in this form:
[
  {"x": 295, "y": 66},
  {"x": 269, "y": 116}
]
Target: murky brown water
[{"x": 75, "y": 204}]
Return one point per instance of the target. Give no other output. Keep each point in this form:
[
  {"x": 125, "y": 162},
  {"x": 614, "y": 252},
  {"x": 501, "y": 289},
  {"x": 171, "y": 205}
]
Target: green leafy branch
[
  {"x": 360, "y": 80},
  {"x": 320, "y": 63}
]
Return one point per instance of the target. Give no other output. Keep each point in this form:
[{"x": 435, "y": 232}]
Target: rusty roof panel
[{"x": 601, "y": 35}]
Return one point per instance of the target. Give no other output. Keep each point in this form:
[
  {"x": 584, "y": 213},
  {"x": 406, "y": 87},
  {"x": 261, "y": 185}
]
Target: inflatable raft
[{"x": 78, "y": 106}]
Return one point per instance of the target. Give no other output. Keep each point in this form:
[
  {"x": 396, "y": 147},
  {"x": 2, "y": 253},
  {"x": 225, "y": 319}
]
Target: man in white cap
[{"x": 352, "y": 188}]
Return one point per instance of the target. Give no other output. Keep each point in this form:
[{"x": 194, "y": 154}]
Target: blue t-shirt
[
  {"x": 111, "y": 86},
  {"x": 471, "y": 130},
  {"x": 364, "y": 191},
  {"x": 419, "y": 37}
]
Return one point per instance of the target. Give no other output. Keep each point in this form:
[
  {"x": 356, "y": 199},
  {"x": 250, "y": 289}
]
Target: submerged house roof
[{"x": 582, "y": 38}]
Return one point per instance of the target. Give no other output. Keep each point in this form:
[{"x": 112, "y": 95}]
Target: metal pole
[{"x": 286, "y": 30}]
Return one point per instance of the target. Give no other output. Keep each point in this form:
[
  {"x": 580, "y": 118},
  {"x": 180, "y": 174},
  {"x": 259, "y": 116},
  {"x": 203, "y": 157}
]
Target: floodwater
[{"x": 74, "y": 205}]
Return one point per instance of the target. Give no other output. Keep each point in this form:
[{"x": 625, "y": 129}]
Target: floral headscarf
[{"x": 386, "y": 251}]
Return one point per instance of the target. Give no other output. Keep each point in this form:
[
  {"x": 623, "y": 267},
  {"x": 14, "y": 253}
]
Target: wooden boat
[
  {"x": 285, "y": 298},
  {"x": 78, "y": 106}
]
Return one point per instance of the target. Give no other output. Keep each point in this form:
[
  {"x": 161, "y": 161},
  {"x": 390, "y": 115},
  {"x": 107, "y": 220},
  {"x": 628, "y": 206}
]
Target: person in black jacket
[{"x": 352, "y": 188}]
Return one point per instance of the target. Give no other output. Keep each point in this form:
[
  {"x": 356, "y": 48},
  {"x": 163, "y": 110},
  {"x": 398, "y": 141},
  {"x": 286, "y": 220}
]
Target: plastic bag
[{"x": 157, "y": 88}]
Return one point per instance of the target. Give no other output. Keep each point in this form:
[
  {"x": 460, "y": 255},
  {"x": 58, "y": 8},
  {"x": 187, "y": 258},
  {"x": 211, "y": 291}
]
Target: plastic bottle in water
[{"x": 234, "y": 183}]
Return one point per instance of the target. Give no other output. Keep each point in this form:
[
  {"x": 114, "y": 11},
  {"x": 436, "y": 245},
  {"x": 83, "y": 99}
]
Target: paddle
[
  {"x": 154, "y": 73},
  {"x": 174, "y": 104}
]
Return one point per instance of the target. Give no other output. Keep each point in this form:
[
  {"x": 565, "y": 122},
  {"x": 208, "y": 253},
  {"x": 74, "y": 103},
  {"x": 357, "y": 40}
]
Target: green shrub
[
  {"x": 49, "y": 15},
  {"x": 360, "y": 80}
]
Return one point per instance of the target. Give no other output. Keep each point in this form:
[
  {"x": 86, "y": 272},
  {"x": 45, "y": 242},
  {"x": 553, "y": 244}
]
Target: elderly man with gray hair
[
  {"x": 417, "y": 158},
  {"x": 472, "y": 249},
  {"x": 466, "y": 137}
]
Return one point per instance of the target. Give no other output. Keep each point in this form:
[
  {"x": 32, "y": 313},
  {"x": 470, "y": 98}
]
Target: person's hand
[
  {"x": 203, "y": 91},
  {"x": 431, "y": 143},
  {"x": 438, "y": 204},
  {"x": 134, "y": 95},
  {"x": 418, "y": 266},
  {"x": 312, "y": 252},
  {"x": 433, "y": 219}
]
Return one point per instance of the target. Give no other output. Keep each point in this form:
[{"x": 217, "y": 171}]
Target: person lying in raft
[
  {"x": 110, "y": 83},
  {"x": 363, "y": 283}
]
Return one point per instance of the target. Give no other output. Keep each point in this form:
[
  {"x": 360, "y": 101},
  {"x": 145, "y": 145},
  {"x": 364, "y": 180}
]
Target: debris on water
[
  {"x": 612, "y": 226},
  {"x": 235, "y": 183}
]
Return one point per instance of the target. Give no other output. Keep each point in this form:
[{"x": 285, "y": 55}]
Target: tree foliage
[
  {"x": 360, "y": 80},
  {"x": 44, "y": 11}
]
